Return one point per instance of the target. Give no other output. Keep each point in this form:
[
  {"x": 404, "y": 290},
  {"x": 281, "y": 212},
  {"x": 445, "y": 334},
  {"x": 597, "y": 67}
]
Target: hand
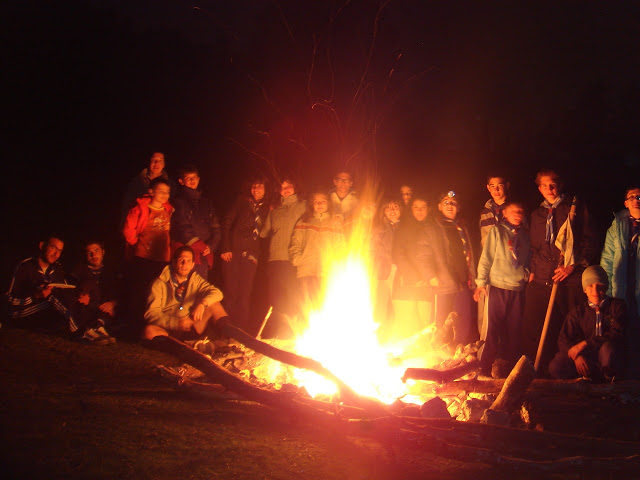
[
  {"x": 479, "y": 292},
  {"x": 576, "y": 350},
  {"x": 582, "y": 366},
  {"x": 185, "y": 324},
  {"x": 226, "y": 256},
  {"x": 84, "y": 298},
  {"x": 197, "y": 313},
  {"x": 434, "y": 282},
  {"x": 206, "y": 251},
  {"x": 109, "y": 308},
  {"x": 561, "y": 273},
  {"x": 44, "y": 292}
]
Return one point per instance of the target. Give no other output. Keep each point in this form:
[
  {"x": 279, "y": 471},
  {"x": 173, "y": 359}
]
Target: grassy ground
[{"x": 73, "y": 411}]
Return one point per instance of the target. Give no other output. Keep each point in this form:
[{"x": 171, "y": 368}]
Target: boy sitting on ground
[
  {"x": 38, "y": 289},
  {"x": 181, "y": 303},
  {"x": 591, "y": 341},
  {"x": 97, "y": 294}
]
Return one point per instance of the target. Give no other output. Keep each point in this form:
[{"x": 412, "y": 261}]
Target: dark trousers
[
  {"x": 502, "y": 336},
  {"x": 535, "y": 309},
  {"x": 603, "y": 364},
  {"x": 466, "y": 327},
  {"x": 238, "y": 276},
  {"x": 283, "y": 298},
  {"x": 140, "y": 272}
]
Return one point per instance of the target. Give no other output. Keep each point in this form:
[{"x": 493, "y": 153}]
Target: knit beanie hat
[{"x": 594, "y": 274}]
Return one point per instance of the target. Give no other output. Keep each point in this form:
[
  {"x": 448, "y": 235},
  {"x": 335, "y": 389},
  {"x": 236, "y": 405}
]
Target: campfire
[{"x": 340, "y": 332}]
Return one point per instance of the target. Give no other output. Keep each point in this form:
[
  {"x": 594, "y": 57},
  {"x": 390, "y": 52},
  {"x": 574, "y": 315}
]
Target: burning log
[
  {"x": 236, "y": 384},
  {"x": 512, "y": 393},
  {"x": 441, "y": 376},
  {"x": 216, "y": 391},
  {"x": 346, "y": 393}
]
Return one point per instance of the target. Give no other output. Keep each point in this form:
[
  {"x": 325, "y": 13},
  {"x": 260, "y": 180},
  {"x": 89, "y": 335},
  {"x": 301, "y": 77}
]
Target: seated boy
[
  {"x": 591, "y": 340},
  {"x": 504, "y": 265},
  {"x": 181, "y": 303},
  {"x": 97, "y": 293},
  {"x": 38, "y": 288}
]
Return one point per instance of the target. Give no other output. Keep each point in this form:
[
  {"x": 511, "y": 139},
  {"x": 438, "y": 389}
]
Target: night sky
[{"x": 432, "y": 92}]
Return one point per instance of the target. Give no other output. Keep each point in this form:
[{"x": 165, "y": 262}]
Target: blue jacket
[
  {"x": 615, "y": 256},
  {"x": 497, "y": 266}
]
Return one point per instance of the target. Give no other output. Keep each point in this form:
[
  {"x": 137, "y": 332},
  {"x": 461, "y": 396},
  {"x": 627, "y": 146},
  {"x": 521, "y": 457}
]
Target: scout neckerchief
[
  {"x": 550, "y": 235},
  {"x": 596, "y": 307}
]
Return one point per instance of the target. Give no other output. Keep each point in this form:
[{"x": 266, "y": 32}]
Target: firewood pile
[{"x": 476, "y": 419}]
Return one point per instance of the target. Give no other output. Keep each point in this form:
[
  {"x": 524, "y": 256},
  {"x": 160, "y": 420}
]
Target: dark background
[{"x": 433, "y": 93}]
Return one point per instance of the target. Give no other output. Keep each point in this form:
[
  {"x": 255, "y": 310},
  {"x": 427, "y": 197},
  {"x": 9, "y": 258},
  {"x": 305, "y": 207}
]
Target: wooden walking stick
[{"x": 554, "y": 291}]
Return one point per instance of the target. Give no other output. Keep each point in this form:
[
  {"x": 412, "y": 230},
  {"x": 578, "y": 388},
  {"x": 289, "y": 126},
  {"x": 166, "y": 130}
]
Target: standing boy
[
  {"x": 194, "y": 222},
  {"x": 547, "y": 266},
  {"x": 504, "y": 264},
  {"x": 493, "y": 209},
  {"x": 621, "y": 260},
  {"x": 146, "y": 231}
]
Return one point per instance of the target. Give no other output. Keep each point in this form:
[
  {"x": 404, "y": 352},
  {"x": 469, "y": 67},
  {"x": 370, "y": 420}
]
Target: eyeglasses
[
  {"x": 453, "y": 203},
  {"x": 343, "y": 180},
  {"x": 633, "y": 197}
]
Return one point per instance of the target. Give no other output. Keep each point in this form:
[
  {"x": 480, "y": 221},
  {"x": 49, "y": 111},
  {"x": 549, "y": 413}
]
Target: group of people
[{"x": 424, "y": 271}]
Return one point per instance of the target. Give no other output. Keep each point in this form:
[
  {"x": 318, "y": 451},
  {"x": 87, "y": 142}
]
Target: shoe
[
  {"x": 101, "y": 331},
  {"x": 91, "y": 337}
]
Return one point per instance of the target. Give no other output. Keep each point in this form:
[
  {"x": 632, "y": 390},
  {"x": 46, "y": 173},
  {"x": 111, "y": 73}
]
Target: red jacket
[{"x": 136, "y": 222}]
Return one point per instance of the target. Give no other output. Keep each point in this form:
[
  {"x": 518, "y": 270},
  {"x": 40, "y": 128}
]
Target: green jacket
[{"x": 163, "y": 309}]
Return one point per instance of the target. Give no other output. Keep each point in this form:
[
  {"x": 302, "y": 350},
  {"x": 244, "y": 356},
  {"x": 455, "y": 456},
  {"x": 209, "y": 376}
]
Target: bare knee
[{"x": 152, "y": 331}]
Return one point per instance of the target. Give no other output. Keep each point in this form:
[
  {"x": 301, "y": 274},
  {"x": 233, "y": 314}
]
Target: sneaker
[
  {"x": 101, "y": 331},
  {"x": 91, "y": 337}
]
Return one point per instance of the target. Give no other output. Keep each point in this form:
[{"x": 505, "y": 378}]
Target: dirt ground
[{"x": 69, "y": 410}]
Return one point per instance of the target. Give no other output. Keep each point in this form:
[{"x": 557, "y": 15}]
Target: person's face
[
  {"x": 498, "y": 189},
  {"x": 449, "y": 208},
  {"x": 343, "y": 183},
  {"x": 95, "y": 255},
  {"x": 549, "y": 189},
  {"x": 51, "y": 250},
  {"x": 632, "y": 201},
  {"x": 156, "y": 164},
  {"x": 406, "y": 193},
  {"x": 320, "y": 204},
  {"x": 419, "y": 210},
  {"x": 514, "y": 214},
  {"x": 595, "y": 292},
  {"x": 257, "y": 191},
  {"x": 160, "y": 194},
  {"x": 190, "y": 180},
  {"x": 286, "y": 189},
  {"x": 183, "y": 264},
  {"x": 392, "y": 212}
]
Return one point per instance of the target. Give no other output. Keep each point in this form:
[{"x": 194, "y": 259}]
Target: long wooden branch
[
  {"x": 219, "y": 392},
  {"x": 441, "y": 376},
  {"x": 492, "y": 385},
  {"x": 298, "y": 361},
  {"x": 513, "y": 448},
  {"x": 222, "y": 376}
]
